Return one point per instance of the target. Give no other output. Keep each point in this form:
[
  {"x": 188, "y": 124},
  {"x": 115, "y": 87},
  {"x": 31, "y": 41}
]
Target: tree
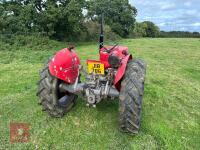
[
  {"x": 18, "y": 15},
  {"x": 139, "y": 30},
  {"x": 179, "y": 34},
  {"x": 61, "y": 19},
  {"x": 118, "y": 14},
  {"x": 151, "y": 29}
]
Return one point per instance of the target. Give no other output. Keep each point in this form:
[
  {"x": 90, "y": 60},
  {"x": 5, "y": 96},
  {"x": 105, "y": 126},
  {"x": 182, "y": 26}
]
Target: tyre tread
[{"x": 130, "y": 101}]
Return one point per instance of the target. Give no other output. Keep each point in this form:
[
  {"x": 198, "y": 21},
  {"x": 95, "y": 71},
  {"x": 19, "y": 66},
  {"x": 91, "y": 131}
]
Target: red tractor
[{"x": 115, "y": 74}]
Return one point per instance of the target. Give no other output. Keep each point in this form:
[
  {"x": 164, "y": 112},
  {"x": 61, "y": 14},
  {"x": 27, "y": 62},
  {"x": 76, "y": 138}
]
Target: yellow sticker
[{"x": 96, "y": 68}]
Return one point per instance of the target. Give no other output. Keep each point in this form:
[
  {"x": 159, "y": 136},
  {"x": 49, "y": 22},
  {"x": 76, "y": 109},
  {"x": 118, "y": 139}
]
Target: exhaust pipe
[{"x": 101, "y": 37}]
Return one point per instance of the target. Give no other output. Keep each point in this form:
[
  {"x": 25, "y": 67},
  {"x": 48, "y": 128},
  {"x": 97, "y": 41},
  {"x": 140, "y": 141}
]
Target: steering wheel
[{"x": 110, "y": 50}]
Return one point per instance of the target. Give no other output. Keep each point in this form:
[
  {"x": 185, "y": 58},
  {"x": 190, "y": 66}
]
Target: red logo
[{"x": 19, "y": 132}]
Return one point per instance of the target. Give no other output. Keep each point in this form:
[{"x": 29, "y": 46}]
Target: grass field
[{"x": 171, "y": 104}]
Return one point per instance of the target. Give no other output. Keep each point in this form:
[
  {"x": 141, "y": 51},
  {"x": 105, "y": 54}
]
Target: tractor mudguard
[
  {"x": 121, "y": 71},
  {"x": 65, "y": 65}
]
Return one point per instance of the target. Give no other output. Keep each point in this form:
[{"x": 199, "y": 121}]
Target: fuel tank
[{"x": 65, "y": 65}]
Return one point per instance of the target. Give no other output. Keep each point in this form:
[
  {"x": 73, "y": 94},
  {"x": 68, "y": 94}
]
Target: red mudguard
[
  {"x": 121, "y": 71},
  {"x": 65, "y": 65}
]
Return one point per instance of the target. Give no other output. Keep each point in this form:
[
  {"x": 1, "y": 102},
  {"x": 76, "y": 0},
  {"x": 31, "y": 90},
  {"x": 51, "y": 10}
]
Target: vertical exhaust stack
[{"x": 101, "y": 37}]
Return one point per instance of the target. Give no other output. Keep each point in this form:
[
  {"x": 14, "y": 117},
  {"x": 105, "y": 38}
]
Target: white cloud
[
  {"x": 142, "y": 2},
  {"x": 170, "y": 14},
  {"x": 182, "y": 29},
  {"x": 191, "y": 12},
  {"x": 188, "y": 4},
  {"x": 161, "y": 24},
  {"x": 196, "y": 24},
  {"x": 168, "y": 6}
]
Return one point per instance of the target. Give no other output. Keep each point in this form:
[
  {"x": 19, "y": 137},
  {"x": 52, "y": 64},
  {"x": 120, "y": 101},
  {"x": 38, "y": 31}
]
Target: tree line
[
  {"x": 179, "y": 34},
  {"x": 67, "y": 19},
  {"x": 75, "y": 20}
]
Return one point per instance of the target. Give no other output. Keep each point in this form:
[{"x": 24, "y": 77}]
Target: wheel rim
[{"x": 60, "y": 98}]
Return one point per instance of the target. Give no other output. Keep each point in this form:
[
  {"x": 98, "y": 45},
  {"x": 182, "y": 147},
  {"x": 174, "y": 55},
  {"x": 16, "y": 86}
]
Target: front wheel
[{"x": 130, "y": 99}]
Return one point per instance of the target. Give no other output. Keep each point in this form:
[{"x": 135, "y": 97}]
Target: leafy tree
[
  {"x": 61, "y": 19},
  {"x": 92, "y": 33},
  {"x": 150, "y": 28},
  {"x": 64, "y": 19},
  {"x": 118, "y": 14},
  {"x": 139, "y": 30}
]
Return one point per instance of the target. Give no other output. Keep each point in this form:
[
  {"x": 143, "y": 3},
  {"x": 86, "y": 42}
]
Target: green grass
[{"x": 171, "y": 104}]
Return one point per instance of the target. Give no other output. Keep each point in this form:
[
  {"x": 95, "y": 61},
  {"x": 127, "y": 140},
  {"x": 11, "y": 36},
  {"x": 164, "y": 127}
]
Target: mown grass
[{"x": 171, "y": 104}]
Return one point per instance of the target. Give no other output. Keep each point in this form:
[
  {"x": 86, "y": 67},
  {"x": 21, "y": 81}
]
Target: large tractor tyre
[
  {"x": 50, "y": 97},
  {"x": 130, "y": 99}
]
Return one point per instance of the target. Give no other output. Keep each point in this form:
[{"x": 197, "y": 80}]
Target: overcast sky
[{"x": 182, "y": 15}]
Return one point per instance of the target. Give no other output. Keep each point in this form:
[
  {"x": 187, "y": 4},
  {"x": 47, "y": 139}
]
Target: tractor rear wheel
[
  {"x": 130, "y": 99},
  {"x": 50, "y": 97}
]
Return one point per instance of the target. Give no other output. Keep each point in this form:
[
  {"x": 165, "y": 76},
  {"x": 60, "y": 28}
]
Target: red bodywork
[{"x": 65, "y": 64}]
